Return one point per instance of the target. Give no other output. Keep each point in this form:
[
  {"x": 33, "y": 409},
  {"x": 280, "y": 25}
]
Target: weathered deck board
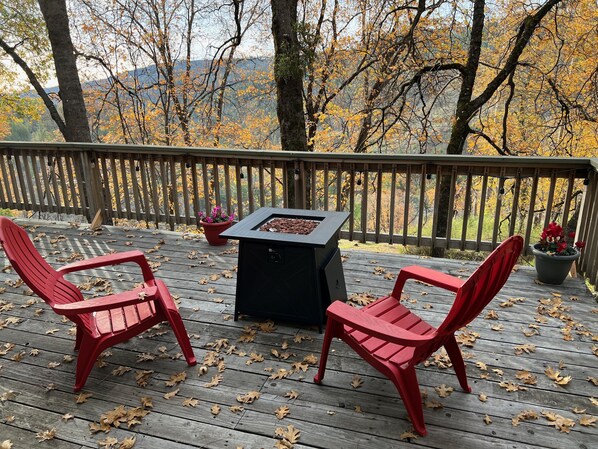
[{"x": 333, "y": 415}]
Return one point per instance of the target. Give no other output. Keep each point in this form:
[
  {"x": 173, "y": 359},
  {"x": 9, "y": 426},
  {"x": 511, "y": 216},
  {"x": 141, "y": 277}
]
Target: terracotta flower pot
[
  {"x": 553, "y": 269},
  {"x": 212, "y": 232}
]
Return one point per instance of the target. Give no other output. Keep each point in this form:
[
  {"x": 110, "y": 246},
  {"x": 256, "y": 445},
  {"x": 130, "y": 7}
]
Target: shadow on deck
[{"x": 513, "y": 353}]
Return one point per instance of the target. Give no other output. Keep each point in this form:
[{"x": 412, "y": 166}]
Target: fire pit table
[{"x": 288, "y": 276}]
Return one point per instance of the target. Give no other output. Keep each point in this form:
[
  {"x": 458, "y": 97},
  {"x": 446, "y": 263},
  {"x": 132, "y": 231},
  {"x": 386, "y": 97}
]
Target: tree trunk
[
  {"x": 73, "y": 104},
  {"x": 288, "y": 75},
  {"x": 65, "y": 61}
]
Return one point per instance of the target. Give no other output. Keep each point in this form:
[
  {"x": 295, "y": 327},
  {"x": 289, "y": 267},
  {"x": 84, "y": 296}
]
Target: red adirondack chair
[
  {"x": 394, "y": 340},
  {"x": 101, "y": 322}
]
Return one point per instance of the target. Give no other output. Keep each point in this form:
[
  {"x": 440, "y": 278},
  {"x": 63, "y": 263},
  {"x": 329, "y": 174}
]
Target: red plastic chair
[
  {"x": 394, "y": 340},
  {"x": 101, "y": 322}
]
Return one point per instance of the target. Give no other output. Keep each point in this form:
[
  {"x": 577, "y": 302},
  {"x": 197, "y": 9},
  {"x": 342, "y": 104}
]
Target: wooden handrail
[{"x": 392, "y": 198}]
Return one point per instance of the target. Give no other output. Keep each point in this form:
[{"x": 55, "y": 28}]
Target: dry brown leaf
[
  {"x": 526, "y": 348},
  {"x": 558, "y": 421},
  {"x": 527, "y": 377},
  {"x": 190, "y": 402},
  {"x": 146, "y": 401},
  {"x": 357, "y": 381},
  {"x": 214, "y": 382},
  {"x": 215, "y": 410},
  {"x": 127, "y": 443},
  {"x": 6, "y": 444},
  {"x": 290, "y": 434},
  {"x": 594, "y": 401},
  {"x": 482, "y": 366},
  {"x": 281, "y": 373},
  {"x": 171, "y": 394},
  {"x": 594, "y": 380},
  {"x": 108, "y": 443},
  {"x": 511, "y": 387},
  {"x": 46, "y": 435},
  {"x": 236, "y": 408},
  {"x": 120, "y": 370},
  {"x": 82, "y": 397},
  {"x": 291, "y": 394},
  {"x": 142, "y": 377},
  {"x": 282, "y": 411},
  {"x": 588, "y": 420},
  {"x": 487, "y": 420},
  {"x": 491, "y": 315},
  {"x": 67, "y": 416},
  {"x": 525, "y": 415},
  {"x": 443, "y": 391},
  {"x": 433, "y": 404},
  {"x": 248, "y": 398},
  {"x": 310, "y": 359},
  {"x": 483, "y": 397},
  {"x": 409, "y": 435}
]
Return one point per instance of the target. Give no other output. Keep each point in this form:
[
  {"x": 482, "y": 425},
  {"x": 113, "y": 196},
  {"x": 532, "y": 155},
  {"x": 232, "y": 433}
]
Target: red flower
[
  {"x": 580, "y": 244},
  {"x": 561, "y": 247}
]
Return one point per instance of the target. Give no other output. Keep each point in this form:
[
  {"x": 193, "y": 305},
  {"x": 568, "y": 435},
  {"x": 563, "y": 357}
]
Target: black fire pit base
[{"x": 288, "y": 277}]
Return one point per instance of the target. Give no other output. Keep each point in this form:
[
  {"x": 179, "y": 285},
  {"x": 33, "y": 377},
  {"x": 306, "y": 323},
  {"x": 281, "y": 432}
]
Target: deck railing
[{"x": 391, "y": 198}]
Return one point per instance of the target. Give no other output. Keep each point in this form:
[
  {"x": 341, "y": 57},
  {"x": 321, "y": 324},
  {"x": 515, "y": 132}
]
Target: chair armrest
[
  {"x": 371, "y": 325},
  {"x": 111, "y": 259},
  {"x": 107, "y": 302},
  {"x": 427, "y": 275}
]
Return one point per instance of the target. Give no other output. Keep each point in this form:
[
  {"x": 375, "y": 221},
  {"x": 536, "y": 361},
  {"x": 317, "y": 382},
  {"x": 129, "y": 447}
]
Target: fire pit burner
[
  {"x": 290, "y": 226},
  {"x": 288, "y": 276}
]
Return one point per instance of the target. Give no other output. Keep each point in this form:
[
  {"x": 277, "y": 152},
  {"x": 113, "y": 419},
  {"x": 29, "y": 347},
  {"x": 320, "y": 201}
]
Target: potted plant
[
  {"x": 214, "y": 223},
  {"x": 555, "y": 255}
]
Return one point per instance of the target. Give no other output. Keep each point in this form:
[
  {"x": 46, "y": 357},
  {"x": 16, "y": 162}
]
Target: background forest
[{"x": 481, "y": 77}]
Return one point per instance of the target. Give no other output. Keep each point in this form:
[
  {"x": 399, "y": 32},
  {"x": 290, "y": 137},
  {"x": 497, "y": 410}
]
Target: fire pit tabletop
[{"x": 248, "y": 228}]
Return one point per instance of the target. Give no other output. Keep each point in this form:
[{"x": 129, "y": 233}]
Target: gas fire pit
[{"x": 289, "y": 264}]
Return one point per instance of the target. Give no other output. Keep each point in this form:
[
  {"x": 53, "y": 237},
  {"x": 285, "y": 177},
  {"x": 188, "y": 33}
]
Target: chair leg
[
  {"x": 406, "y": 382},
  {"x": 78, "y": 338},
  {"x": 89, "y": 352},
  {"x": 454, "y": 353},
  {"x": 331, "y": 331},
  {"x": 176, "y": 322}
]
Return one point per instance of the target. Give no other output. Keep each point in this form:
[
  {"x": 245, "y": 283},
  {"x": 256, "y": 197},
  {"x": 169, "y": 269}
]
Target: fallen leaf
[
  {"x": 443, "y": 391},
  {"x": 487, "y": 419},
  {"x": 282, "y": 411},
  {"x": 291, "y": 394},
  {"x": 433, "y": 404},
  {"x": 357, "y": 381},
  {"x": 290, "y": 434},
  {"x": 409, "y": 435},
  {"x": 46, "y": 435},
  {"x": 483, "y": 397},
  {"x": 127, "y": 443},
  {"x": 108, "y": 443},
  {"x": 588, "y": 420},
  {"x": 215, "y": 409},
  {"x": 190, "y": 402},
  {"x": 248, "y": 398},
  {"x": 525, "y": 415},
  {"x": 558, "y": 421},
  {"x": 214, "y": 382},
  {"x": 67, "y": 416},
  {"x": 82, "y": 397},
  {"x": 526, "y": 348},
  {"x": 171, "y": 394},
  {"x": 6, "y": 444}
]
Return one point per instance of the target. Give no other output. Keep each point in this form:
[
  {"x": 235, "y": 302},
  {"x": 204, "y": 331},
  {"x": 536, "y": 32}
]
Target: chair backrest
[
  {"x": 33, "y": 269},
  {"x": 483, "y": 285}
]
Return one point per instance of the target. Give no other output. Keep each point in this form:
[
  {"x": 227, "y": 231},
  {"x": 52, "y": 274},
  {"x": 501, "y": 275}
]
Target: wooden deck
[{"x": 536, "y": 328}]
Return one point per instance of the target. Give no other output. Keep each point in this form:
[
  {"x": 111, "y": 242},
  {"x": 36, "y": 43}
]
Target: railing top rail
[{"x": 357, "y": 158}]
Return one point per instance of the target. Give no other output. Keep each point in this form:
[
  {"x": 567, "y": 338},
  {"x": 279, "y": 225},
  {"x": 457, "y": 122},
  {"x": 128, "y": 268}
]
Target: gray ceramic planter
[{"x": 553, "y": 269}]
